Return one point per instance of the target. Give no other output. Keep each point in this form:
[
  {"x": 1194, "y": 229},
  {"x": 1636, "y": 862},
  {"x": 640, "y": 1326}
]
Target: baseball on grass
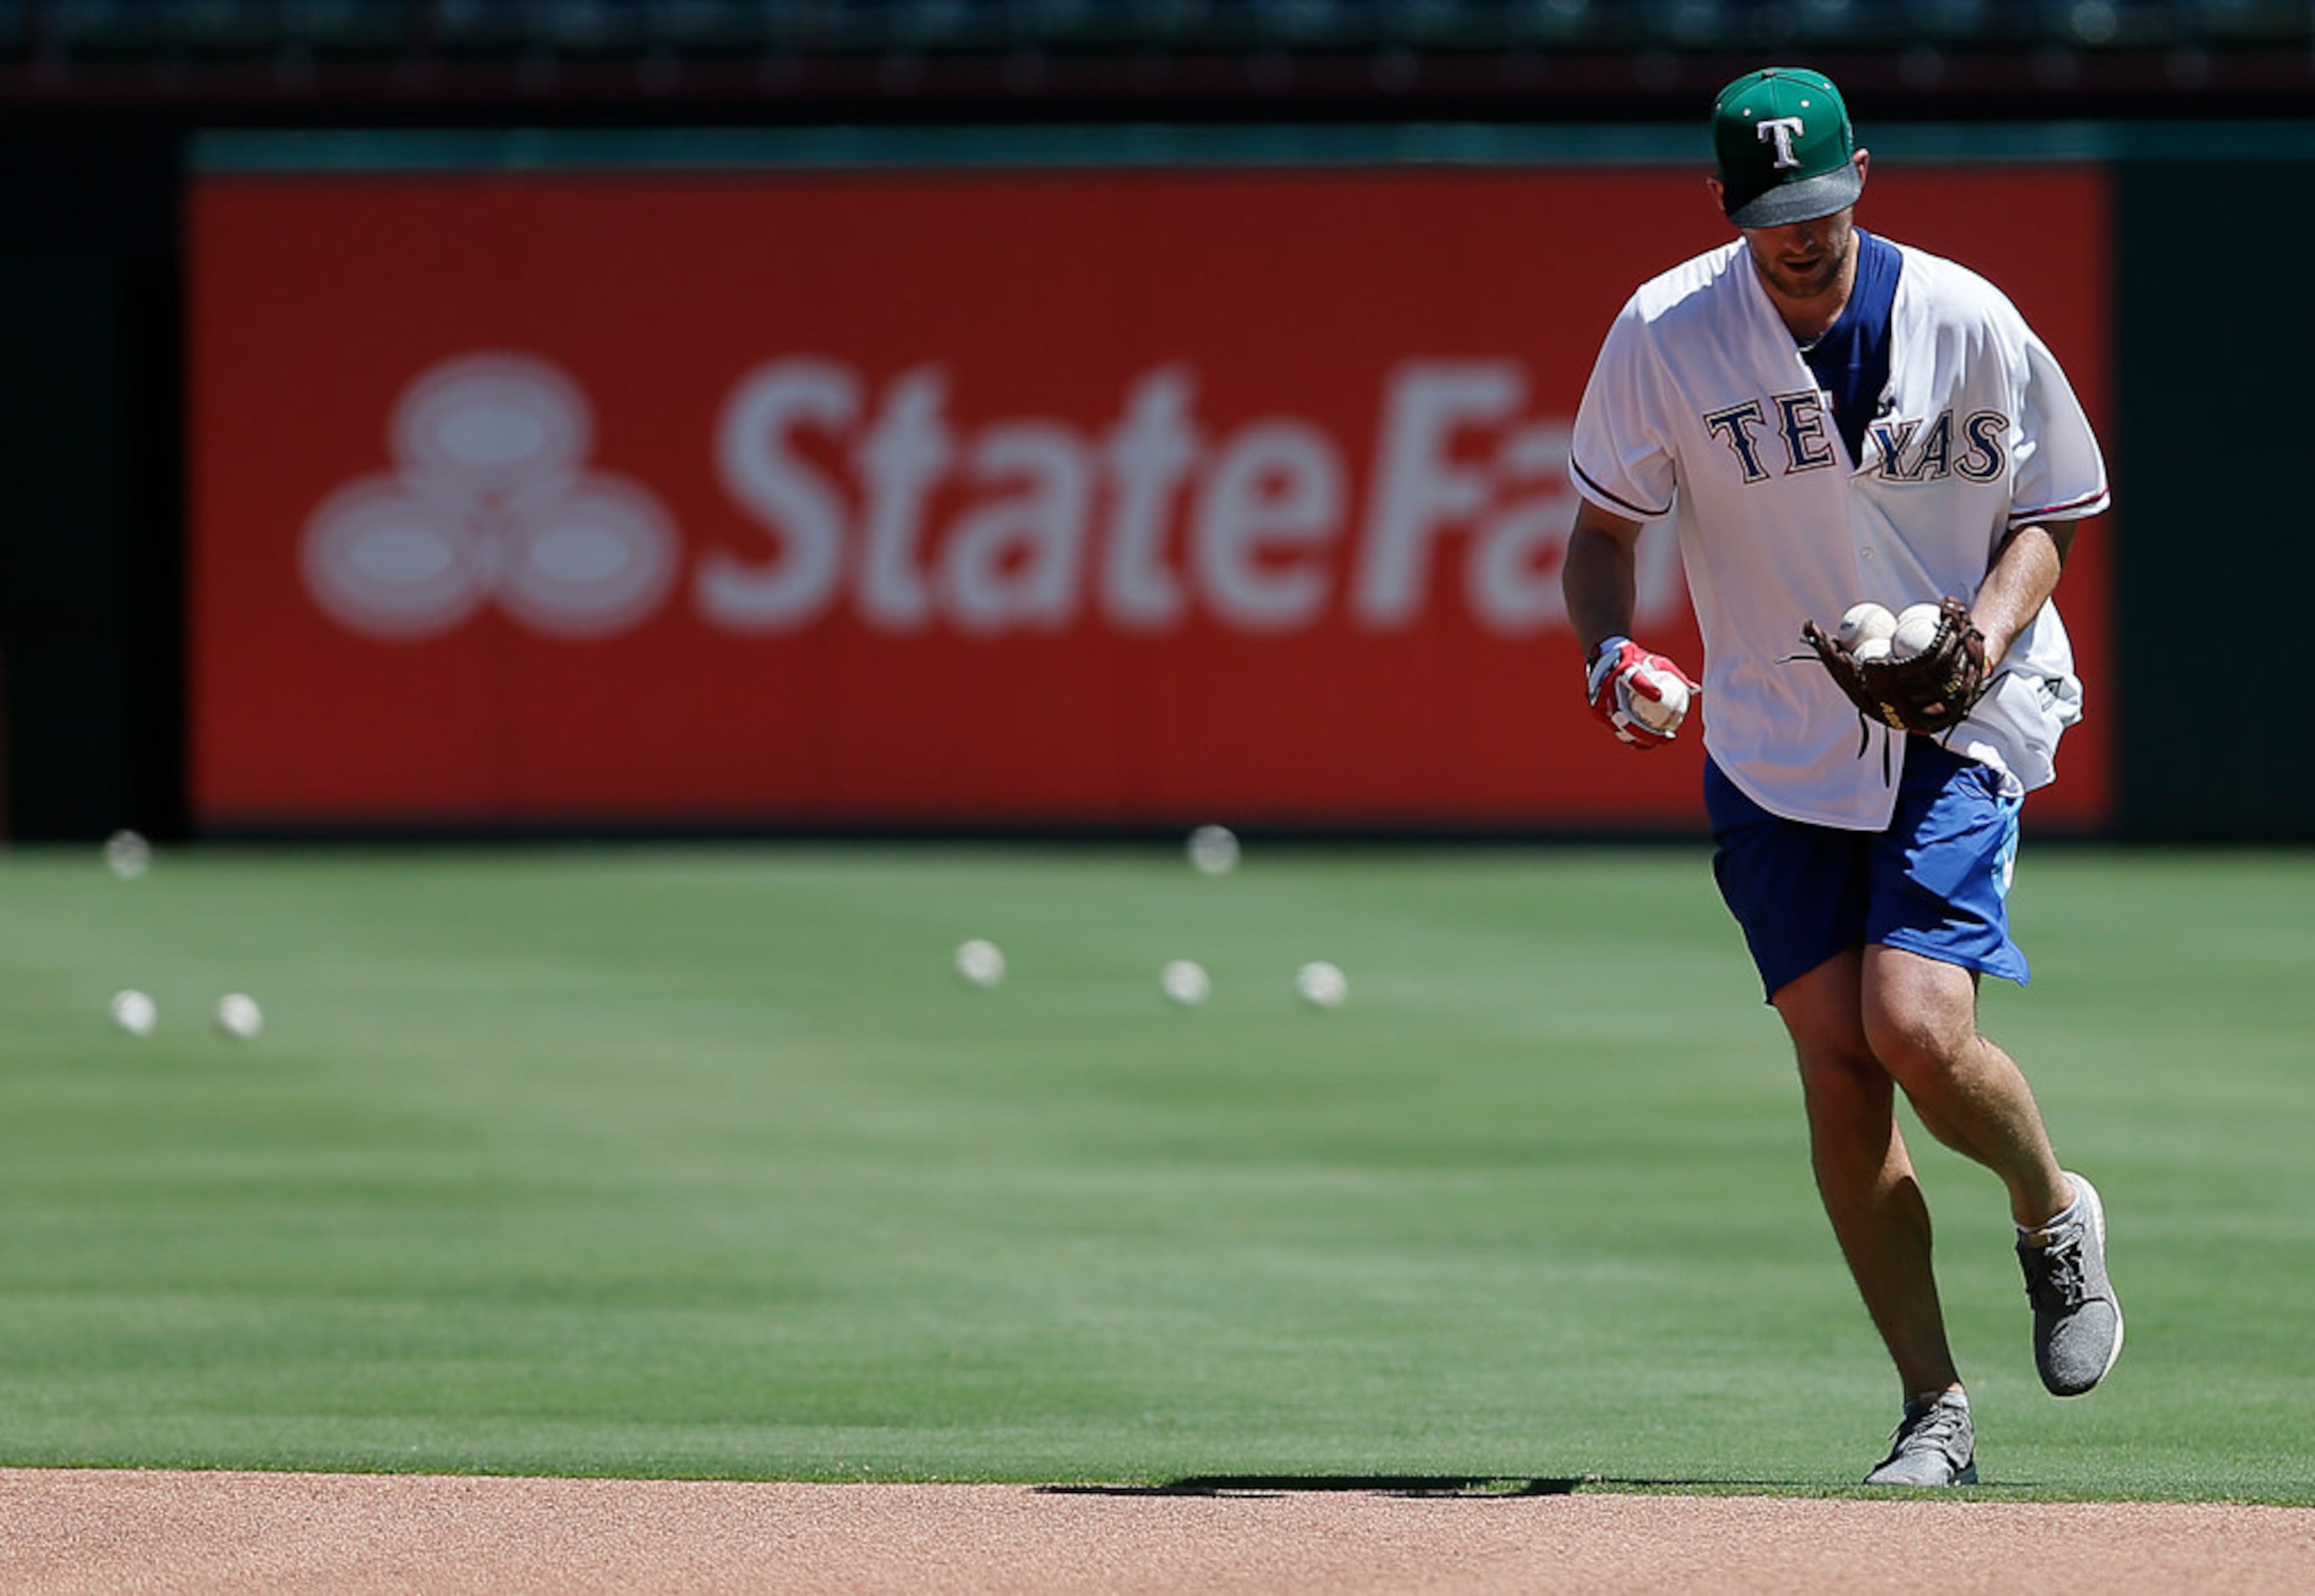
[
  {"x": 980, "y": 963},
  {"x": 1917, "y": 628},
  {"x": 238, "y": 1015},
  {"x": 134, "y": 1013},
  {"x": 1185, "y": 982},
  {"x": 1321, "y": 985},
  {"x": 1863, "y": 621},
  {"x": 128, "y": 855},
  {"x": 1664, "y": 713},
  {"x": 1213, "y": 849}
]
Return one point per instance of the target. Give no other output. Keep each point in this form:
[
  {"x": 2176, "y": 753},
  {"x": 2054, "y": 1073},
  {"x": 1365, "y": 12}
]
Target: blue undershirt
[{"x": 1851, "y": 360}]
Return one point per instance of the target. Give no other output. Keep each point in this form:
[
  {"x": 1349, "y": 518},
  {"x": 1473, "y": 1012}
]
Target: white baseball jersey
[{"x": 1701, "y": 407}]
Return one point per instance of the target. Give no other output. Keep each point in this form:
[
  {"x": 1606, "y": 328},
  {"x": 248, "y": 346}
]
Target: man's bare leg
[
  {"x": 1919, "y": 1019},
  {"x": 1864, "y": 1174}
]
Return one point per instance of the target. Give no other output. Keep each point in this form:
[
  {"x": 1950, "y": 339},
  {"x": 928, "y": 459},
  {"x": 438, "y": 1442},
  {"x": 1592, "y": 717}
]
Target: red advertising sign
[{"x": 1114, "y": 498}]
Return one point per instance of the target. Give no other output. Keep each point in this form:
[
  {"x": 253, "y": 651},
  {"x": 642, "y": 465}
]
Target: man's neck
[{"x": 1810, "y": 319}]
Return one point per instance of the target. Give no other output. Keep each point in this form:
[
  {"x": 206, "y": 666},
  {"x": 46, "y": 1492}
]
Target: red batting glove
[{"x": 1623, "y": 676}]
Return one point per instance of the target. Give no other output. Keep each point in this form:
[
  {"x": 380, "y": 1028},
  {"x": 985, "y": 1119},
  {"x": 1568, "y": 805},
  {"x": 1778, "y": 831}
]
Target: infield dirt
[{"x": 119, "y": 1531}]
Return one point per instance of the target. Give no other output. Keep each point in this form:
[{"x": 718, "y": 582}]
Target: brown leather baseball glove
[{"x": 1928, "y": 691}]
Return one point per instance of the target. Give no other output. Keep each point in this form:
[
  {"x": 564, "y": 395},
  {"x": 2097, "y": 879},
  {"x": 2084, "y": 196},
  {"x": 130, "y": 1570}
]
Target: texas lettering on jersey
[{"x": 1904, "y": 451}]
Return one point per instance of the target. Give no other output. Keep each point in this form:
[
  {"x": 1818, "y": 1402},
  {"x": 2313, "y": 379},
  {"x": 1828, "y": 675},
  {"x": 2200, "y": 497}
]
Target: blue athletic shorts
[{"x": 1933, "y": 884}]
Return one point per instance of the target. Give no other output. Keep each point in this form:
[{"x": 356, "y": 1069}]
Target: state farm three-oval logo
[
  {"x": 490, "y": 500},
  {"x": 868, "y": 495}
]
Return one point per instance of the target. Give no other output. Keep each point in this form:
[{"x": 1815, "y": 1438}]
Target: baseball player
[{"x": 1829, "y": 417}]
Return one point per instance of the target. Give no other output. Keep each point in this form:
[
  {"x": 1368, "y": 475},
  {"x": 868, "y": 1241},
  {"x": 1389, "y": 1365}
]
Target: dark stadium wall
[
  {"x": 90, "y": 579},
  {"x": 2216, "y": 348}
]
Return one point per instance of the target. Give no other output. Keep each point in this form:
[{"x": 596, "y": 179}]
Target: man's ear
[{"x": 1716, "y": 188}]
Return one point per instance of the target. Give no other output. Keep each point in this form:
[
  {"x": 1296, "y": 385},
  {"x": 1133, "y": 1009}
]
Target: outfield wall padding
[{"x": 2180, "y": 324}]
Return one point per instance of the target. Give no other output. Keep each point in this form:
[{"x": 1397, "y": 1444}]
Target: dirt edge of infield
[{"x": 118, "y": 1530}]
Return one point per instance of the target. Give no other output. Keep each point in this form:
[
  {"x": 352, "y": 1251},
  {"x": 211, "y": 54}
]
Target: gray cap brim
[{"x": 1802, "y": 201}]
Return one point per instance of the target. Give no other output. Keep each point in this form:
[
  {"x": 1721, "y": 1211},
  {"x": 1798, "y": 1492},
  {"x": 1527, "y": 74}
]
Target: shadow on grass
[
  {"x": 1405, "y": 1485},
  {"x": 1379, "y": 1485}
]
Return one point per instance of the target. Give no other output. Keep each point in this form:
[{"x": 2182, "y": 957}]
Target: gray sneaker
[
  {"x": 1934, "y": 1445},
  {"x": 2076, "y": 1322}
]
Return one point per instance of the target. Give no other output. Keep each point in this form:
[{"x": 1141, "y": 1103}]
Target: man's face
[{"x": 1803, "y": 260}]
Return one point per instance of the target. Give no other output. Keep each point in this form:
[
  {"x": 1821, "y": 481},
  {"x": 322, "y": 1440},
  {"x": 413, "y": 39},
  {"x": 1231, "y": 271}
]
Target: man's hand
[{"x": 1640, "y": 696}]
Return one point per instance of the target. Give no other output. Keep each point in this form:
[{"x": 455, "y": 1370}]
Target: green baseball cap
[{"x": 1783, "y": 138}]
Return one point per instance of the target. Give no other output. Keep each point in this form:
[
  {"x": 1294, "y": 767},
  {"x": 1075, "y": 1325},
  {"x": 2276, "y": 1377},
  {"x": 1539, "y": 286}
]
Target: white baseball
[
  {"x": 1185, "y": 982},
  {"x": 238, "y": 1015},
  {"x": 1665, "y": 714},
  {"x": 1872, "y": 648},
  {"x": 1864, "y": 621},
  {"x": 1321, "y": 985},
  {"x": 1213, "y": 849},
  {"x": 128, "y": 855},
  {"x": 1917, "y": 628},
  {"x": 980, "y": 963},
  {"x": 134, "y": 1013}
]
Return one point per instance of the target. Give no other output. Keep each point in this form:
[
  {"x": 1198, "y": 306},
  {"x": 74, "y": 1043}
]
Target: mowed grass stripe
[{"x": 700, "y": 1161}]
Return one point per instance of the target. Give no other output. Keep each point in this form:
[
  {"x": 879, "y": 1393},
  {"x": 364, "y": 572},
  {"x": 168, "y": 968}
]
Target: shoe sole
[
  {"x": 2098, "y": 1224},
  {"x": 1968, "y": 1477}
]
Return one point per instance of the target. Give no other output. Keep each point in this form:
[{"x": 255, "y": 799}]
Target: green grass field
[{"x": 699, "y": 1161}]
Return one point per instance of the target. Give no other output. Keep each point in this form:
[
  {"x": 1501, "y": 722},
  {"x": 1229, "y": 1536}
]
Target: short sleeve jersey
[{"x": 1702, "y": 408}]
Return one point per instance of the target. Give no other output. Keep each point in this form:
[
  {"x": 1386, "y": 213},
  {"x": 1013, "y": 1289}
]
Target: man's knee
[
  {"x": 1920, "y": 1016},
  {"x": 1838, "y": 1065},
  {"x": 1851, "y": 1102}
]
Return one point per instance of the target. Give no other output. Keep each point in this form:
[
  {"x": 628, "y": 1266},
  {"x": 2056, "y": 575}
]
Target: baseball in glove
[{"x": 1929, "y": 691}]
